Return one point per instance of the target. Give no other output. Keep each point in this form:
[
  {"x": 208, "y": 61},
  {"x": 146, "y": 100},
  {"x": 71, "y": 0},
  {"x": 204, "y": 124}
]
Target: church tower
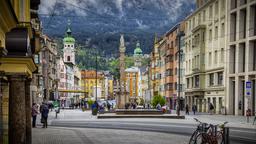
[
  {"x": 137, "y": 55},
  {"x": 122, "y": 99},
  {"x": 69, "y": 46}
]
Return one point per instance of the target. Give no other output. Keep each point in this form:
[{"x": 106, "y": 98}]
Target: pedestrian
[
  {"x": 34, "y": 114},
  {"x": 44, "y": 113},
  {"x": 187, "y": 109},
  {"x": 109, "y": 106},
  {"x": 158, "y": 106},
  {"x": 211, "y": 107},
  {"x": 194, "y": 109}
]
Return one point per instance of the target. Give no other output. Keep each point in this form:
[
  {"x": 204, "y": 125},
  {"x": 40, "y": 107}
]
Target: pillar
[
  {"x": 17, "y": 110},
  {"x": 4, "y": 100},
  {"x": 28, "y": 112}
]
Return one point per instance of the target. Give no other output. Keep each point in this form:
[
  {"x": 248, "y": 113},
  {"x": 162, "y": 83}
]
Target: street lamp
[{"x": 180, "y": 52}]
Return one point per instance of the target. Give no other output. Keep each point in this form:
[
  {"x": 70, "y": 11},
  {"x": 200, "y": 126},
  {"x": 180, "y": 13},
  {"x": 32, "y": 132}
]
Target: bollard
[{"x": 226, "y": 135}]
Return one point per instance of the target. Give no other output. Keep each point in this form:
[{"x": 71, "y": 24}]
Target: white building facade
[
  {"x": 205, "y": 49},
  {"x": 241, "y": 56}
]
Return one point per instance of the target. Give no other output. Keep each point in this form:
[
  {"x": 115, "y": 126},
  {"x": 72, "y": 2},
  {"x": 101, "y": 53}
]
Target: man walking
[
  {"x": 44, "y": 112},
  {"x": 194, "y": 109},
  {"x": 211, "y": 107},
  {"x": 187, "y": 109}
]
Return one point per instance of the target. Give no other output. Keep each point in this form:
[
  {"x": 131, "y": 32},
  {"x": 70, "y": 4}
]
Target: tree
[
  {"x": 158, "y": 99},
  {"x": 90, "y": 102}
]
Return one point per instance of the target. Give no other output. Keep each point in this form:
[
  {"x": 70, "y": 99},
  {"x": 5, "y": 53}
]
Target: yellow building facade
[
  {"x": 88, "y": 81},
  {"x": 19, "y": 40}
]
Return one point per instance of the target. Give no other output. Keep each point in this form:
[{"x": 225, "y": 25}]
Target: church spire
[{"x": 69, "y": 28}]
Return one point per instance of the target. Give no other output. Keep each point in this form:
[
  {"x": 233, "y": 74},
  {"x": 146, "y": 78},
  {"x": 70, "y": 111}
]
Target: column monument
[{"x": 122, "y": 98}]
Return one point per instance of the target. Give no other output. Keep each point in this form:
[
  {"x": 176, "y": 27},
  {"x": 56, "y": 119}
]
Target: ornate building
[{"x": 69, "y": 75}]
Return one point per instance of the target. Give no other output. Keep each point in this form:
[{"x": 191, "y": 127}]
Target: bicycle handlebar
[{"x": 222, "y": 125}]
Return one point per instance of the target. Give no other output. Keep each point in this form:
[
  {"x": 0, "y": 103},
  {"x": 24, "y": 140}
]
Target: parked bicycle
[{"x": 210, "y": 134}]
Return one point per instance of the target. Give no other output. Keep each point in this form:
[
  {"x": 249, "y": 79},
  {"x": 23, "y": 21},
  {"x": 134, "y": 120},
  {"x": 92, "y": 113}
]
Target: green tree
[
  {"x": 90, "y": 102},
  {"x": 158, "y": 99}
]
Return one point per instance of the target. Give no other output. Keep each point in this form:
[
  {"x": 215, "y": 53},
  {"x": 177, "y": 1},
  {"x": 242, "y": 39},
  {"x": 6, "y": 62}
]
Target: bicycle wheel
[
  {"x": 220, "y": 137},
  {"x": 193, "y": 138}
]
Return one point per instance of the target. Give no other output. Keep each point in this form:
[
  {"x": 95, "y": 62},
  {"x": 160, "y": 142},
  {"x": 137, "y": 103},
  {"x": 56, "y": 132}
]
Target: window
[
  {"x": 222, "y": 55},
  {"x": 199, "y": 18},
  {"x": 210, "y": 12},
  {"x": 68, "y": 58},
  {"x": 216, "y": 7},
  {"x": 210, "y": 35},
  {"x": 222, "y": 30},
  {"x": 37, "y": 59},
  {"x": 197, "y": 81},
  {"x": 223, "y": 4},
  {"x": 220, "y": 78},
  {"x": 211, "y": 79},
  {"x": 188, "y": 83},
  {"x": 216, "y": 57},
  {"x": 216, "y": 32},
  {"x": 210, "y": 59},
  {"x": 204, "y": 15}
]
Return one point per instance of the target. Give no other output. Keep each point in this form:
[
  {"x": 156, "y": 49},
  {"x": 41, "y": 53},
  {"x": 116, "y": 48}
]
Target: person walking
[
  {"x": 34, "y": 114},
  {"x": 194, "y": 109},
  {"x": 211, "y": 107},
  {"x": 44, "y": 113},
  {"x": 187, "y": 109}
]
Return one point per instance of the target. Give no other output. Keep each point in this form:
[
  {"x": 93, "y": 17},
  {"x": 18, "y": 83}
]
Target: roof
[{"x": 132, "y": 69}]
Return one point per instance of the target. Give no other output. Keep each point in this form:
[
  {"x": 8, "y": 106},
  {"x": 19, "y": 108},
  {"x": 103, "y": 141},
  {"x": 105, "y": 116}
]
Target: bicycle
[{"x": 208, "y": 134}]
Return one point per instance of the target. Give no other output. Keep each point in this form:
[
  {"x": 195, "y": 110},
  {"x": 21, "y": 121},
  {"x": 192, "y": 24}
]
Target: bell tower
[{"x": 69, "y": 46}]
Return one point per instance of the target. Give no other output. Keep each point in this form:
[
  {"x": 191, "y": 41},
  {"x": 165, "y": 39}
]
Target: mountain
[{"x": 99, "y": 23}]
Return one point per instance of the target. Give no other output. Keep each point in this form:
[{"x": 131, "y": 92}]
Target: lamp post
[
  {"x": 96, "y": 98},
  {"x": 180, "y": 51}
]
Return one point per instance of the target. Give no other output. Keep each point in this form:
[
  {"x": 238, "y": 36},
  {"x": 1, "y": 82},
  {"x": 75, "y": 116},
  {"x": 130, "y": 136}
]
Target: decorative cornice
[{"x": 22, "y": 65}]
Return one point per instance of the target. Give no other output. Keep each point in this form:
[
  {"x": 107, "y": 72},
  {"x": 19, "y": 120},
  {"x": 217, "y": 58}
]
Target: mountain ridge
[{"x": 99, "y": 23}]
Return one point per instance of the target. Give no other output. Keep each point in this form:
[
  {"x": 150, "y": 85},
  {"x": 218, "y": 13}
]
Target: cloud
[{"x": 141, "y": 25}]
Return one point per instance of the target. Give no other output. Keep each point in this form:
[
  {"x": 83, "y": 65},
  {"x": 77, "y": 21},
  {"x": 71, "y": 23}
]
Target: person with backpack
[{"x": 44, "y": 114}]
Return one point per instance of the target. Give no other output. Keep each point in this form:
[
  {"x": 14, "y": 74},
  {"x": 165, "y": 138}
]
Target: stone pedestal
[{"x": 17, "y": 109}]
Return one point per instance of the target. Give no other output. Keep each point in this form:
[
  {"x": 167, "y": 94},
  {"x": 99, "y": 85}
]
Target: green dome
[
  {"x": 68, "y": 36},
  {"x": 69, "y": 39},
  {"x": 137, "y": 50}
]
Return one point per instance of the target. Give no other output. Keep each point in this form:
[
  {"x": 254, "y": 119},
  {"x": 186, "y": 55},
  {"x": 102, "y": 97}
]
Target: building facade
[
  {"x": 171, "y": 66},
  {"x": 205, "y": 55},
  {"x": 69, "y": 80},
  {"x": 19, "y": 41},
  {"x": 241, "y": 54},
  {"x": 90, "y": 82},
  {"x": 49, "y": 72}
]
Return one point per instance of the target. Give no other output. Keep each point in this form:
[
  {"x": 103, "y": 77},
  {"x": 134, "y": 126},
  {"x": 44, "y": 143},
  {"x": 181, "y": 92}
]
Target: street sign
[
  {"x": 248, "y": 88},
  {"x": 248, "y": 85}
]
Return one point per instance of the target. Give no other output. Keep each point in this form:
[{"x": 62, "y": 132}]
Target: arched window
[{"x": 68, "y": 58}]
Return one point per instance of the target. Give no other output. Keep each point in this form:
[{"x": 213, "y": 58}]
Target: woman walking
[{"x": 34, "y": 114}]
